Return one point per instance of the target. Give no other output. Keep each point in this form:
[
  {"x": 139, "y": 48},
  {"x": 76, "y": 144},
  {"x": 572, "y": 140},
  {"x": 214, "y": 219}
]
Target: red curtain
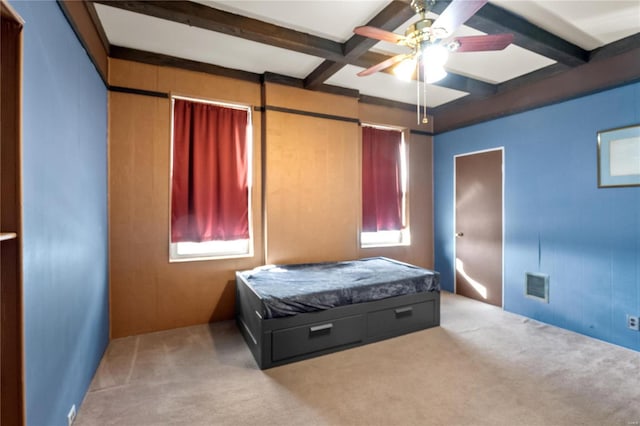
[
  {"x": 209, "y": 191},
  {"x": 381, "y": 180}
]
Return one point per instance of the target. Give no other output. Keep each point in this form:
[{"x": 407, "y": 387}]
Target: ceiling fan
[{"x": 430, "y": 42}]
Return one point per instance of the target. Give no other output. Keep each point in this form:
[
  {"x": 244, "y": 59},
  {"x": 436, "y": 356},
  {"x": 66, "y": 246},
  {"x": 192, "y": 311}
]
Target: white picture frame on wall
[{"x": 619, "y": 157}]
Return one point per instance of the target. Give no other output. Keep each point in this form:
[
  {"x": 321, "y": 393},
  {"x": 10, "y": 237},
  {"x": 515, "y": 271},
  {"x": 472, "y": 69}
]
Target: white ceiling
[
  {"x": 588, "y": 24},
  {"x": 331, "y": 19}
]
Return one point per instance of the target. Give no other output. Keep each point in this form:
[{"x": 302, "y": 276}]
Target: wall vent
[{"x": 537, "y": 286}]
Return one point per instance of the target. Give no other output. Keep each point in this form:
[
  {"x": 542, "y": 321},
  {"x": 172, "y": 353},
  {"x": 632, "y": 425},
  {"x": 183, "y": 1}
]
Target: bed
[{"x": 288, "y": 313}]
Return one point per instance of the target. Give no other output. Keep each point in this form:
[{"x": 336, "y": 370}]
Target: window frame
[
  {"x": 395, "y": 238},
  {"x": 227, "y": 249}
]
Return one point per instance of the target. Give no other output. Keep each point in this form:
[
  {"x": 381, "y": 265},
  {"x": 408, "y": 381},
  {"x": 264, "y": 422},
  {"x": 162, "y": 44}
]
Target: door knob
[{"x": 459, "y": 234}]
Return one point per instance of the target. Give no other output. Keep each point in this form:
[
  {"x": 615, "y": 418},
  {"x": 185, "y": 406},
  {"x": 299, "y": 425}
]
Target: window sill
[
  {"x": 203, "y": 258},
  {"x": 378, "y": 245}
]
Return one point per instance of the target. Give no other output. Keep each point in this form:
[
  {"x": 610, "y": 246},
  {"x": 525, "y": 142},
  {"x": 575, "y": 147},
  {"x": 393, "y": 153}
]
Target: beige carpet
[{"x": 481, "y": 367}]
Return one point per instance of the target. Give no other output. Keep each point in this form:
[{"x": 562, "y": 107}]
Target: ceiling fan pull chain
[
  {"x": 418, "y": 91},
  {"x": 425, "y": 120}
]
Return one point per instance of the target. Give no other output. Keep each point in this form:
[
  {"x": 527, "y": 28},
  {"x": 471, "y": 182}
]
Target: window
[
  {"x": 210, "y": 180},
  {"x": 384, "y": 187}
]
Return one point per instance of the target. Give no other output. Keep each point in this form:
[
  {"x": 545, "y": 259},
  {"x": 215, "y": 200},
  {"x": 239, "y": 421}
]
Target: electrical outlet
[
  {"x": 72, "y": 415},
  {"x": 633, "y": 323}
]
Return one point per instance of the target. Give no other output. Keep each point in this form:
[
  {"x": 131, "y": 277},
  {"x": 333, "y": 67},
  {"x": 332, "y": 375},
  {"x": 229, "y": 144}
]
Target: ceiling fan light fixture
[
  {"x": 430, "y": 43},
  {"x": 435, "y": 54},
  {"x": 433, "y": 73},
  {"x": 405, "y": 69},
  {"x": 434, "y": 57}
]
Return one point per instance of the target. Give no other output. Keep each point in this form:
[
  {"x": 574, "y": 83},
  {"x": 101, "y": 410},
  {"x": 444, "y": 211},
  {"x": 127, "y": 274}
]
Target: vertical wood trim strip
[
  {"x": 80, "y": 20},
  {"x": 263, "y": 168},
  {"x": 12, "y": 407}
]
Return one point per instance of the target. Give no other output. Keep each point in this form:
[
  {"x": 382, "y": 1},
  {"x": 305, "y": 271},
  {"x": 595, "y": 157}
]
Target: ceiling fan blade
[
  {"x": 483, "y": 42},
  {"x": 457, "y": 13},
  {"x": 378, "y": 34},
  {"x": 384, "y": 64}
]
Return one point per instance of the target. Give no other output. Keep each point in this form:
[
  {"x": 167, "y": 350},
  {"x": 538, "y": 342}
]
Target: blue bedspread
[{"x": 291, "y": 289}]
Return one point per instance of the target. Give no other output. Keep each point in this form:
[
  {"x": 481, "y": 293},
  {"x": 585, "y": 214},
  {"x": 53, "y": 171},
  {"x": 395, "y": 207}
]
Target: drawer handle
[
  {"x": 322, "y": 327},
  {"x": 404, "y": 311}
]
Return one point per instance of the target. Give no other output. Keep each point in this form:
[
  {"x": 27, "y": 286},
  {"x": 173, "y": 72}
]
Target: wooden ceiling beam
[
  {"x": 322, "y": 73},
  {"x": 201, "y": 16},
  {"x": 619, "y": 64},
  {"x": 540, "y": 87},
  {"x": 392, "y": 16},
  {"x": 492, "y": 19},
  {"x": 616, "y": 48},
  {"x": 126, "y": 53}
]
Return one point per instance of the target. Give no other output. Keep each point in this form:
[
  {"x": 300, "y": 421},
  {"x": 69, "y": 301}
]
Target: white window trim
[
  {"x": 395, "y": 238},
  {"x": 218, "y": 249},
  {"x": 385, "y": 238}
]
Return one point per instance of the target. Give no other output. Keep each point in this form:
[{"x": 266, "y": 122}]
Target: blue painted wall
[
  {"x": 65, "y": 215},
  {"x": 589, "y": 238}
]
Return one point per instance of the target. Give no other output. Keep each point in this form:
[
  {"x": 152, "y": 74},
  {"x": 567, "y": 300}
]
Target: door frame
[{"x": 453, "y": 237}]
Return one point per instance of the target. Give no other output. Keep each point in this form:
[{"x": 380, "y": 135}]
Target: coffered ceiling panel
[
  {"x": 331, "y": 19},
  {"x": 589, "y": 24},
  {"x": 151, "y": 34},
  {"x": 387, "y": 86},
  {"x": 311, "y": 44}
]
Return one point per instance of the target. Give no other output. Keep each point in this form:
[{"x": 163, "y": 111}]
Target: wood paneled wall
[
  {"x": 311, "y": 192},
  {"x": 147, "y": 292},
  {"x": 312, "y": 177}
]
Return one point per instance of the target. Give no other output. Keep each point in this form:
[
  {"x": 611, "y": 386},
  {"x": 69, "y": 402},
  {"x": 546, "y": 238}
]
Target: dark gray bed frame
[{"x": 279, "y": 341}]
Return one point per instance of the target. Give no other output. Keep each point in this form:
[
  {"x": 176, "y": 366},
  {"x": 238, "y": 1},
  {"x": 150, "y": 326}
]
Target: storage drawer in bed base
[
  {"x": 399, "y": 320},
  {"x": 307, "y": 339},
  {"x": 280, "y": 341}
]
